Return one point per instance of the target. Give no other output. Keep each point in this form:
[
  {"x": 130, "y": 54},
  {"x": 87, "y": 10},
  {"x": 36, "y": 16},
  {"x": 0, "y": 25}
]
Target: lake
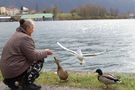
[{"x": 116, "y": 37}]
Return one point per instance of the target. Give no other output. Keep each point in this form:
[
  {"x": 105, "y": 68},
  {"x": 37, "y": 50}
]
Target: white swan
[{"x": 79, "y": 55}]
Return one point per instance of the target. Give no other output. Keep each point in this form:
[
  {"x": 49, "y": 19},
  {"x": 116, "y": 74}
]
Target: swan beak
[{"x": 81, "y": 63}]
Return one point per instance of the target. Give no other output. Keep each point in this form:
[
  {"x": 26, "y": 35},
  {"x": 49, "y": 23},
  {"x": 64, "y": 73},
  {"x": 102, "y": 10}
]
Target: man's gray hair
[{"x": 28, "y": 24}]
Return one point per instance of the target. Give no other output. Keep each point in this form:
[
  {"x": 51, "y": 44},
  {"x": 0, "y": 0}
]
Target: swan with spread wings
[{"x": 78, "y": 54}]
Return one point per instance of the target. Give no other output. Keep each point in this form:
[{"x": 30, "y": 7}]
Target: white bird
[{"x": 79, "y": 55}]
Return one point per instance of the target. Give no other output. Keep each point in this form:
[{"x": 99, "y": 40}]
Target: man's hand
[{"x": 49, "y": 52}]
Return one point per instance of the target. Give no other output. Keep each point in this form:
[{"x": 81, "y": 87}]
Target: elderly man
[{"x": 20, "y": 62}]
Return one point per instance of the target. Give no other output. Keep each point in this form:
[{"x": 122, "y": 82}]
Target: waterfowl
[
  {"x": 107, "y": 79},
  {"x": 63, "y": 75},
  {"x": 78, "y": 54}
]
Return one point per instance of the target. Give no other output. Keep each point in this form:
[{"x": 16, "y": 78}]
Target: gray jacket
[{"x": 18, "y": 54}]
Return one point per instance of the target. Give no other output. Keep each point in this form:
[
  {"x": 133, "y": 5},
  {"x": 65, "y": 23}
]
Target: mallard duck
[
  {"x": 78, "y": 54},
  {"x": 63, "y": 75},
  {"x": 107, "y": 79}
]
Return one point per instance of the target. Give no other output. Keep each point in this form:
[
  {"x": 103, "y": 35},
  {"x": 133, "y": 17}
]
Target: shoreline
[
  {"x": 80, "y": 19},
  {"x": 88, "y": 81},
  {"x": 50, "y": 87},
  {"x": 82, "y": 81}
]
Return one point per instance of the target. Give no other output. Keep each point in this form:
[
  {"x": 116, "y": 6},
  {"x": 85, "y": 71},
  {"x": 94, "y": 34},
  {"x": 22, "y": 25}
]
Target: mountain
[{"x": 67, "y": 5}]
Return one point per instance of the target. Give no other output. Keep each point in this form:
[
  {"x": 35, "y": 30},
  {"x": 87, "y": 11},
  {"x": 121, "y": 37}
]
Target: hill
[{"x": 67, "y": 5}]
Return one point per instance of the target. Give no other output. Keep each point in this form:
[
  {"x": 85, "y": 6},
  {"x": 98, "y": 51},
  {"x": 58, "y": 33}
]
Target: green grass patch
[
  {"x": 87, "y": 80},
  {"x": 68, "y": 16}
]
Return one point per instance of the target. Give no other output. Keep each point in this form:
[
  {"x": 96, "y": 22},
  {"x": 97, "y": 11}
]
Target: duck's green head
[{"x": 99, "y": 71}]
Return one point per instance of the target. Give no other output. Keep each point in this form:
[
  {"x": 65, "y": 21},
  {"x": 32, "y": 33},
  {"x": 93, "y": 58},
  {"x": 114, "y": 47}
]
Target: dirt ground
[{"x": 46, "y": 87}]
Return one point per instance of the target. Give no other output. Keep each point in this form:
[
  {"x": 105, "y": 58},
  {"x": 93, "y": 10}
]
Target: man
[{"x": 20, "y": 62}]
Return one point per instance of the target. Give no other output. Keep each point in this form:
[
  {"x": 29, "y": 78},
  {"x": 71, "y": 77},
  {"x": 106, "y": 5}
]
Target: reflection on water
[{"x": 117, "y": 37}]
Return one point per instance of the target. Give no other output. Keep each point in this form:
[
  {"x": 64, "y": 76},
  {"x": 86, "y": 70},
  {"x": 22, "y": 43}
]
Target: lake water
[{"x": 116, "y": 37}]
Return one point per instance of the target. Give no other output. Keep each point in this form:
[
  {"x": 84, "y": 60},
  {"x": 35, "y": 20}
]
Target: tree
[
  {"x": 55, "y": 12},
  {"x": 114, "y": 12},
  {"x": 90, "y": 11}
]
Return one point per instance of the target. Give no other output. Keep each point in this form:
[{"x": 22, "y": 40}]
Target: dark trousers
[{"x": 26, "y": 78}]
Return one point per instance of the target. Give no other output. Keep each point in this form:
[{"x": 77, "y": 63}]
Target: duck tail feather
[{"x": 118, "y": 81}]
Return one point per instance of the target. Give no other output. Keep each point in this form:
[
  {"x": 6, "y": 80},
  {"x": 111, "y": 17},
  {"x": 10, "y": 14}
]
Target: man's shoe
[
  {"x": 31, "y": 87},
  {"x": 39, "y": 86},
  {"x": 15, "y": 89}
]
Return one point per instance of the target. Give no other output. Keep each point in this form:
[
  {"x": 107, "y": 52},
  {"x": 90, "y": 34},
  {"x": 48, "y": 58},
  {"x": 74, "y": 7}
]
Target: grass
[
  {"x": 68, "y": 16},
  {"x": 86, "y": 80}
]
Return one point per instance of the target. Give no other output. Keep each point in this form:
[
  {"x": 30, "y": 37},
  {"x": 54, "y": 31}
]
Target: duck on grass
[{"x": 87, "y": 80}]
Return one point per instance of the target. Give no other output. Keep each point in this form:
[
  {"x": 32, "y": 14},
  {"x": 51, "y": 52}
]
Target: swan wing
[
  {"x": 93, "y": 54},
  {"x": 71, "y": 51},
  {"x": 89, "y": 55}
]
